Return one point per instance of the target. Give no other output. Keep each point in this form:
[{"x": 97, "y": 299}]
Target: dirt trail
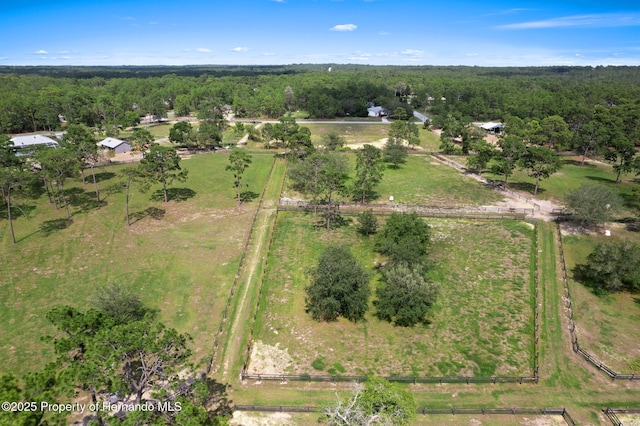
[
  {"x": 544, "y": 210},
  {"x": 249, "y": 277}
]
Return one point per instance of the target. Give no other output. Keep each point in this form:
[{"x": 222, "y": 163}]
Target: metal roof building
[{"x": 30, "y": 140}]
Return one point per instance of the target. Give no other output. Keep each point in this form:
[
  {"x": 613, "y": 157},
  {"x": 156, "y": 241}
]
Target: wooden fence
[
  {"x": 513, "y": 411},
  {"x": 225, "y": 312},
  {"x": 612, "y": 414},
  {"x": 423, "y": 211},
  {"x": 572, "y": 325},
  {"x": 283, "y": 378},
  {"x": 494, "y": 184}
]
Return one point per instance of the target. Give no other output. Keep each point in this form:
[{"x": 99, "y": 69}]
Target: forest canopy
[{"x": 43, "y": 98}]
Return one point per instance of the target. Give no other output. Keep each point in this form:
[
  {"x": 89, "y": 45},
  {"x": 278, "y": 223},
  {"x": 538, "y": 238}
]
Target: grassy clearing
[
  {"x": 429, "y": 140},
  {"x": 607, "y": 325},
  {"x": 570, "y": 176},
  {"x": 481, "y": 324},
  {"x": 425, "y": 182},
  {"x": 230, "y": 357},
  {"x": 181, "y": 259},
  {"x": 352, "y": 133}
]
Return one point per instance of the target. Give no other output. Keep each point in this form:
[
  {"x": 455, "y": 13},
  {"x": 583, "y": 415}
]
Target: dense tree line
[{"x": 35, "y": 98}]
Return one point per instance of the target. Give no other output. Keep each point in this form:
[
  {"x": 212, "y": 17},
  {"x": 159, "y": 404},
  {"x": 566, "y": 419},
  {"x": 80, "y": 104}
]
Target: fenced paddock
[
  {"x": 623, "y": 416},
  {"x": 492, "y": 341},
  {"x": 512, "y": 415},
  {"x": 481, "y": 212},
  {"x": 573, "y": 329}
]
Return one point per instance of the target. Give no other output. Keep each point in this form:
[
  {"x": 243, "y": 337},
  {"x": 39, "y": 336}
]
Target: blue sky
[{"x": 376, "y": 32}]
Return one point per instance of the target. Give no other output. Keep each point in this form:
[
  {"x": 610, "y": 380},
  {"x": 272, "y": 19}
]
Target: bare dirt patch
[
  {"x": 268, "y": 359},
  {"x": 243, "y": 418}
]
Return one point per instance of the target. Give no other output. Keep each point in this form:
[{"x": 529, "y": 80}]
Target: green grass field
[
  {"x": 606, "y": 324},
  {"x": 181, "y": 259},
  {"x": 481, "y": 323},
  {"x": 426, "y": 182},
  {"x": 352, "y": 133},
  {"x": 570, "y": 177}
]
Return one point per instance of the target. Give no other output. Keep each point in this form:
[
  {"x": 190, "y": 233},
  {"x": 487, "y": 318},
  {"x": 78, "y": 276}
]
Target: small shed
[
  {"x": 116, "y": 145},
  {"x": 493, "y": 128}
]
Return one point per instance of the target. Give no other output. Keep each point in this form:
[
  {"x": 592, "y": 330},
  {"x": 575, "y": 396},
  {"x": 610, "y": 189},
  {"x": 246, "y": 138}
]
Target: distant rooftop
[
  {"x": 23, "y": 141},
  {"x": 111, "y": 143}
]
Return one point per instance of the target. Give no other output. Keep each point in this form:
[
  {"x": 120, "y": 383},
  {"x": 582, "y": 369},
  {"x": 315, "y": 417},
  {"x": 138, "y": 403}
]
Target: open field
[
  {"x": 180, "y": 257},
  {"x": 606, "y": 325},
  {"x": 425, "y": 182},
  {"x": 247, "y": 418},
  {"x": 570, "y": 176},
  {"x": 352, "y": 133},
  {"x": 481, "y": 323}
]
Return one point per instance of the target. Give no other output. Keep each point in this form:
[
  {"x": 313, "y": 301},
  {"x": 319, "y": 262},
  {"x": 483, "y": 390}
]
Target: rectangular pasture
[
  {"x": 481, "y": 324},
  {"x": 423, "y": 181},
  {"x": 606, "y": 325},
  {"x": 427, "y": 182},
  {"x": 181, "y": 256},
  {"x": 568, "y": 178},
  {"x": 353, "y": 133}
]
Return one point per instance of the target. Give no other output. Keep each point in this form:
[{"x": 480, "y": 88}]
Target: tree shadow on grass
[
  {"x": 85, "y": 200},
  {"x": 525, "y": 186},
  {"x": 17, "y": 210},
  {"x": 174, "y": 194},
  {"x": 632, "y": 200},
  {"x": 101, "y": 177},
  {"x": 587, "y": 164},
  {"x": 48, "y": 227},
  {"x": 152, "y": 212},
  {"x": 248, "y": 196},
  {"x": 601, "y": 179}
]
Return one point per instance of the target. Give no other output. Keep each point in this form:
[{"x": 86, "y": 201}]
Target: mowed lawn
[
  {"x": 568, "y": 178},
  {"x": 423, "y": 181},
  {"x": 180, "y": 257},
  {"x": 481, "y": 324},
  {"x": 607, "y": 325},
  {"x": 352, "y": 133}
]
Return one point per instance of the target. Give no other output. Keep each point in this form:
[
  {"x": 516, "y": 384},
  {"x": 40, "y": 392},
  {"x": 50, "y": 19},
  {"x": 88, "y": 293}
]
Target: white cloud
[
  {"x": 40, "y": 52},
  {"x": 412, "y": 52},
  {"x": 203, "y": 50},
  {"x": 582, "y": 21},
  {"x": 64, "y": 52},
  {"x": 383, "y": 33},
  {"x": 344, "y": 27},
  {"x": 359, "y": 56},
  {"x": 279, "y": 1},
  {"x": 153, "y": 23},
  {"x": 240, "y": 49}
]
